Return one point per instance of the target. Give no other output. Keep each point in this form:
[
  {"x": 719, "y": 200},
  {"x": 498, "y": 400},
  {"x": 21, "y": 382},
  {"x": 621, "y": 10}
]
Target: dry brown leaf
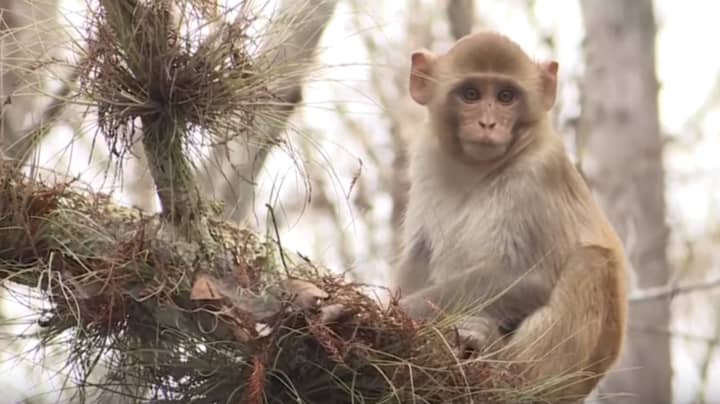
[{"x": 205, "y": 288}]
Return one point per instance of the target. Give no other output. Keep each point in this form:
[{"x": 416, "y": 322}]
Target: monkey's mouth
[{"x": 483, "y": 149}]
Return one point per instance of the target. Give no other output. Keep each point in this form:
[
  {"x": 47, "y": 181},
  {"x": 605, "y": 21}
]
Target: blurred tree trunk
[
  {"x": 461, "y": 17},
  {"x": 620, "y": 138},
  {"x": 237, "y": 166}
]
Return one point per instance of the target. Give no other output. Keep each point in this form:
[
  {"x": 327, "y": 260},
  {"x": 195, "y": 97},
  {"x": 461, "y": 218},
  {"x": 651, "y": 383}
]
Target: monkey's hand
[{"x": 477, "y": 335}]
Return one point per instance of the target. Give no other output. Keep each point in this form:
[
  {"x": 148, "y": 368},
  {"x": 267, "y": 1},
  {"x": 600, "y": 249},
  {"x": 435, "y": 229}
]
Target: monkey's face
[
  {"x": 482, "y": 95},
  {"x": 482, "y": 116}
]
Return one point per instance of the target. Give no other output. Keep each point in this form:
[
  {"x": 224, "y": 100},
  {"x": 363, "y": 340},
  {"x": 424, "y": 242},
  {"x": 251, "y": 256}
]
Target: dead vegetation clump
[
  {"x": 151, "y": 61},
  {"x": 122, "y": 296}
]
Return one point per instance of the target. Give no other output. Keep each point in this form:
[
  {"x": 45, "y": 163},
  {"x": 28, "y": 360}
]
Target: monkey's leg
[{"x": 577, "y": 336}]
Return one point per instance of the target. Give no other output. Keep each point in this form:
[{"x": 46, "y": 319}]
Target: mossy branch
[
  {"x": 241, "y": 330},
  {"x": 145, "y": 38}
]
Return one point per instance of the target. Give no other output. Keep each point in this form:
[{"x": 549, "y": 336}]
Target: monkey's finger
[
  {"x": 335, "y": 313},
  {"x": 467, "y": 346},
  {"x": 302, "y": 294}
]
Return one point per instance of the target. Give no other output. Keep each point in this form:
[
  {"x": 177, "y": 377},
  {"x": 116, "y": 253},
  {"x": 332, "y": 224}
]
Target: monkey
[{"x": 499, "y": 220}]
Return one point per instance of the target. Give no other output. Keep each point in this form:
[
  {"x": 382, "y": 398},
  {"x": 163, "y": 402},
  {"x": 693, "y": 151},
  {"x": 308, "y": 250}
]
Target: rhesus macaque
[{"x": 501, "y": 225}]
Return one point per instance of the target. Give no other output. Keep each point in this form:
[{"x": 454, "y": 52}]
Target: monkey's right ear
[{"x": 421, "y": 76}]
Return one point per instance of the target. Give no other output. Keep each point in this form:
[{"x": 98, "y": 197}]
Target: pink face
[
  {"x": 478, "y": 118},
  {"x": 487, "y": 110}
]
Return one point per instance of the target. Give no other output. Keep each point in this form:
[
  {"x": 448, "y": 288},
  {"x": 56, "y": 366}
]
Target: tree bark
[{"x": 622, "y": 159}]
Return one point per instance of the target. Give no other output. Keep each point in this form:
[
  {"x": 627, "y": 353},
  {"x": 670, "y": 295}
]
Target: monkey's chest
[
  {"x": 465, "y": 240},
  {"x": 482, "y": 235}
]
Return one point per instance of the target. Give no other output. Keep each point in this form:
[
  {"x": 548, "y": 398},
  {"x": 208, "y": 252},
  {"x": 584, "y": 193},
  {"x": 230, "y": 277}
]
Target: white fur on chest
[
  {"x": 466, "y": 228},
  {"x": 471, "y": 221},
  {"x": 464, "y": 234}
]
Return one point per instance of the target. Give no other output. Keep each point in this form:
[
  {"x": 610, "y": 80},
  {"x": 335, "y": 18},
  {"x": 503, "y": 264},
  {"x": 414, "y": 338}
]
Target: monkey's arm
[
  {"x": 578, "y": 335},
  {"x": 504, "y": 296},
  {"x": 412, "y": 271}
]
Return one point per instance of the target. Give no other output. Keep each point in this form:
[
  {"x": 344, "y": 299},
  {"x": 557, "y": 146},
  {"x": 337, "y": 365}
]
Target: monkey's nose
[{"x": 486, "y": 125}]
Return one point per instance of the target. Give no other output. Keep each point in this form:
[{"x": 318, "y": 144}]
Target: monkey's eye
[
  {"x": 506, "y": 96},
  {"x": 470, "y": 94}
]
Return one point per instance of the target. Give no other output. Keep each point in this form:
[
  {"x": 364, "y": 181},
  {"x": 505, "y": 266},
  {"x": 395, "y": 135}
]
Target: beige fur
[{"x": 521, "y": 231}]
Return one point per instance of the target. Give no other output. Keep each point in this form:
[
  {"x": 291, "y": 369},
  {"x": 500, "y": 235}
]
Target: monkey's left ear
[{"x": 549, "y": 72}]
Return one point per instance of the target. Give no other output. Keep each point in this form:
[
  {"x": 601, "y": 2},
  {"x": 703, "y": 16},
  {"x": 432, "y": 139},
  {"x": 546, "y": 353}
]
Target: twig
[
  {"x": 704, "y": 339},
  {"x": 277, "y": 235},
  {"x": 671, "y": 291}
]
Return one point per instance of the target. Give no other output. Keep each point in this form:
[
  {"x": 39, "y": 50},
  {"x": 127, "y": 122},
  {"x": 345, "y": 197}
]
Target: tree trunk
[{"x": 620, "y": 138}]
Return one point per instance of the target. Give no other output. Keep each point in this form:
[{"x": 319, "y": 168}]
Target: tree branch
[
  {"x": 291, "y": 45},
  {"x": 461, "y": 17},
  {"x": 29, "y": 41},
  {"x": 21, "y": 144},
  {"x": 670, "y": 291}
]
